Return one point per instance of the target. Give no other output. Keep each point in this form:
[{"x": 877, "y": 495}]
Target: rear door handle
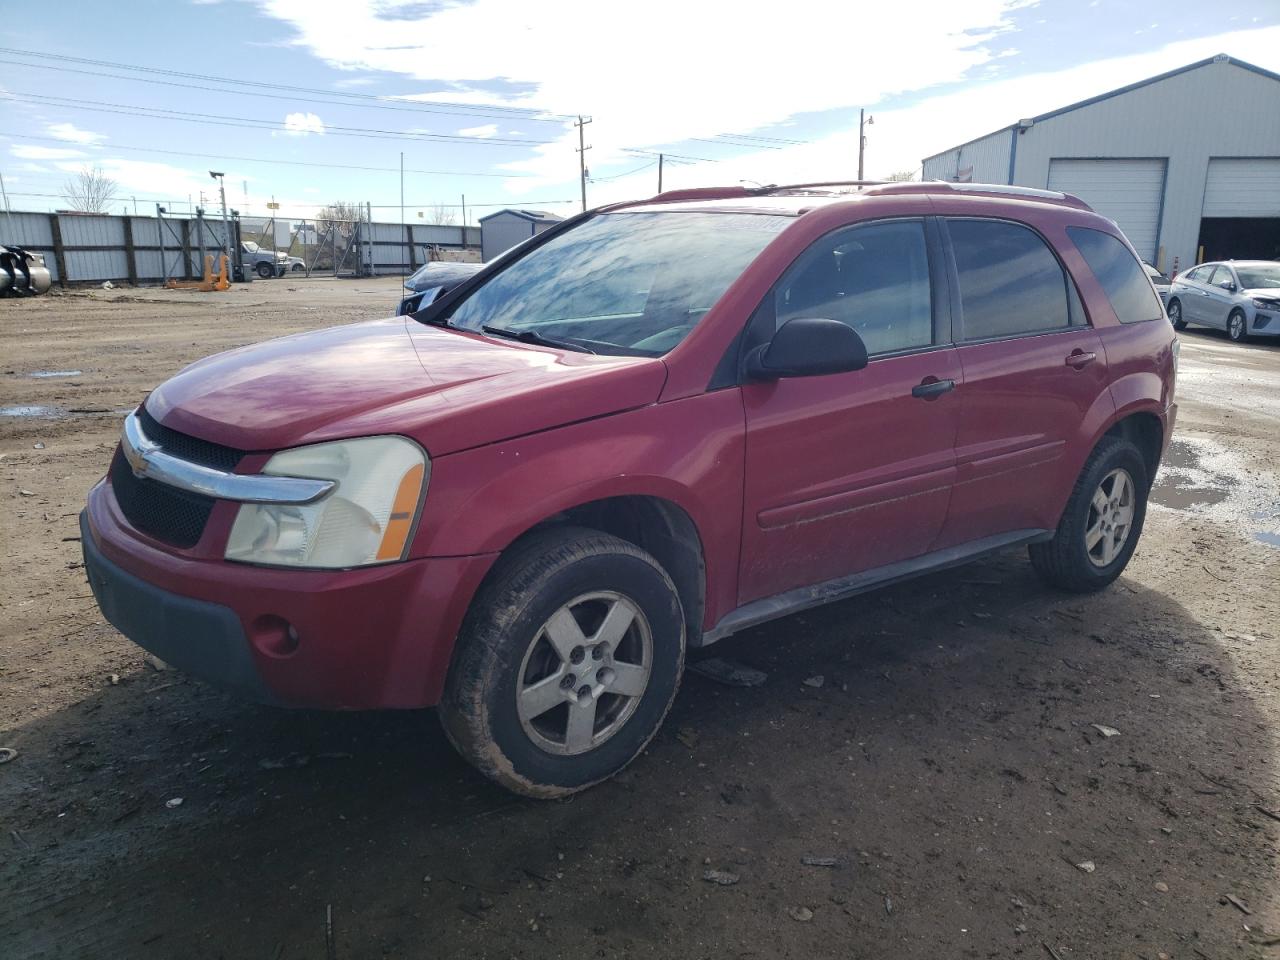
[
  {"x": 1080, "y": 359},
  {"x": 931, "y": 389}
]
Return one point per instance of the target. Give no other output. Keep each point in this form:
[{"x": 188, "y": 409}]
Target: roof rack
[
  {"x": 993, "y": 189},
  {"x": 877, "y": 188}
]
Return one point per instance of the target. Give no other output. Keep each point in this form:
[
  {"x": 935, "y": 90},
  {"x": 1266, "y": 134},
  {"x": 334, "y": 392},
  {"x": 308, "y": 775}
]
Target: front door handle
[
  {"x": 931, "y": 388},
  {"x": 1080, "y": 359}
]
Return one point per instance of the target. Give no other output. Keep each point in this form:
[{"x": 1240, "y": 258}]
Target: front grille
[
  {"x": 171, "y": 515},
  {"x": 187, "y": 447}
]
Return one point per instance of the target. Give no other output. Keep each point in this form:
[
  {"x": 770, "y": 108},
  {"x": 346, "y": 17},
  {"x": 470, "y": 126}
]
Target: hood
[
  {"x": 441, "y": 274},
  {"x": 448, "y": 389}
]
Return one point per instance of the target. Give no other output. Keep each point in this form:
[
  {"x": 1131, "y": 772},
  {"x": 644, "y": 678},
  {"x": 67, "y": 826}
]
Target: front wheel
[
  {"x": 1101, "y": 524},
  {"x": 1175, "y": 315},
  {"x": 1236, "y": 329},
  {"x": 566, "y": 664},
  {"x": 264, "y": 270}
]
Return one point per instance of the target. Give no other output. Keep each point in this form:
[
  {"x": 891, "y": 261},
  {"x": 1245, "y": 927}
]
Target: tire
[
  {"x": 1175, "y": 315},
  {"x": 506, "y": 646},
  {"x": 296, "y": 268},
  {"x": 264, "y": 270},
  {"x": 1237, "y": 327},
  {"x": 1076, "y": 559}
]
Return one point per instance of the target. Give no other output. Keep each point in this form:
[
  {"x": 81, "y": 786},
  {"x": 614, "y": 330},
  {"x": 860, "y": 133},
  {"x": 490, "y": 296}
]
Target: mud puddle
[
  {"x": 33, "y": 410},
  {"x": 1203, "y": 477}
]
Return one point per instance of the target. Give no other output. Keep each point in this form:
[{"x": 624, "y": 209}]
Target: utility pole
[
  {"x": 464, "y": 221},
  {"x": 659, "y": 173},
  {"x": 404, "y": 269},
  {"x": 582, "y": 156},
  {"x": 226, "y": 227},
  {"x": 863, "y": 122}
]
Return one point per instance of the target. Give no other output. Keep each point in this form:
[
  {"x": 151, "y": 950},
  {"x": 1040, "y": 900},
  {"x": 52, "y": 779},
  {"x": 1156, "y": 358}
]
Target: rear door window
[
  {"x": 1200, "y": 274},
  {"x": 874, "y": 278},
  {"x": 1119, "y": 273},
  {"x": 1010, "y": 281}
]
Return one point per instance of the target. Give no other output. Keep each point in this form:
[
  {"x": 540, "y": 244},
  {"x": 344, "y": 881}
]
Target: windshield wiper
[{"x": 529, "y": 336}]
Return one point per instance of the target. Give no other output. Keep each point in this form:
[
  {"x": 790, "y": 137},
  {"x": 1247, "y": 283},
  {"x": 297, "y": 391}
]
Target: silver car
[{"x": 1241, "y": 297}]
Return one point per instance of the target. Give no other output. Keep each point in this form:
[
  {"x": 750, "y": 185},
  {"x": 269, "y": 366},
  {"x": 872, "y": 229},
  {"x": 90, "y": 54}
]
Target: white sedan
[{"x": 1241, "y": 297}]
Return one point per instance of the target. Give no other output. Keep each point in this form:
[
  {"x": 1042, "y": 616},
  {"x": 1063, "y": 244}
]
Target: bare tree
[
  {"x": 902, "y": 176},
  {"x": 90, "y": 190},
  {"x": 442, "y": 215},
  {"x": 341, "y": 212}
]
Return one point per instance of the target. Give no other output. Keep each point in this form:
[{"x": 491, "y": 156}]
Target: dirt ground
[{"x": 948, "y": 764}]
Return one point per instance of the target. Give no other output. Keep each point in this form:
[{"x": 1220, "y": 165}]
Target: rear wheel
[
  {"x": 1102, "y": 522},
  {"x": 264, "y": 270},
  {"x": 1236, "y": 328},
  {"x": 1175, "y": 315},
  {"x": 567, "y": 663}
]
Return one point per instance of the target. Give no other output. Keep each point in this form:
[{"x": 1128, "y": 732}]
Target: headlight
[
  {"x": 366, "y": 519},
  {"x": 1266, "y": 304}
]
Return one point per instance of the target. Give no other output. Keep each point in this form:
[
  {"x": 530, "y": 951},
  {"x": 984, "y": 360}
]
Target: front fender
[{"x": 689, "y": 452}]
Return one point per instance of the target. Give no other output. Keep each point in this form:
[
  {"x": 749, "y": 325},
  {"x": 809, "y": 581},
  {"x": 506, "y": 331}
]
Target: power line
[
  {"x": 751, "y": 136},
  {"x": 292, "y": 163},
  {"x": 292, "y": 98},
  {"x": 678, "y": 156},
  {"x": 376, "y": 206},
  {"x": 619, "y": 176},
  {"x": 731, "y": 143},
  {"x": 250, "y": 123},
  {"x": 492, "y": 109}
]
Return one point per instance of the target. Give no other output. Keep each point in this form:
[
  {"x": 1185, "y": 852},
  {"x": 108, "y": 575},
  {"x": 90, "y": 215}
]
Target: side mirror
[
  {"x": 1229, "y": 287},
  {"x": 808, "y": 347}
]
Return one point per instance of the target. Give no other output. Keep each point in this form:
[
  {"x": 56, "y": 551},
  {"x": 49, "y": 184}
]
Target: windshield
[
  {"x": 1259, "y": 276},
  {"x": 1154, "y": 274},
  {"x": 627, "y": 283},
  {"x": 251, "y": 246}
]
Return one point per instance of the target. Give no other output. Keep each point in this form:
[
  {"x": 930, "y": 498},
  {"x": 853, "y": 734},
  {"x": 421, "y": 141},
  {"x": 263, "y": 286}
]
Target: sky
[{"x": 306, "y": 102}]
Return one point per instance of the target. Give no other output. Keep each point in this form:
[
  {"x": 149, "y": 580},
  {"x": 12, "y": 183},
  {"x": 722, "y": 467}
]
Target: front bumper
[{"x": 368, "y": 638}]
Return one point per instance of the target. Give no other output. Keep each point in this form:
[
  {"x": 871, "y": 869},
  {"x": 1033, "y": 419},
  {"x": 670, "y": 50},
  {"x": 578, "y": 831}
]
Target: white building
[
  {"x": 503, "y": 230},
  {"x": 1187, "y": 163}
]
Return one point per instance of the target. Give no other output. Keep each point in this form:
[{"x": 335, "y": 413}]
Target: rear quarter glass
[{"x": 1119, "y": 274}]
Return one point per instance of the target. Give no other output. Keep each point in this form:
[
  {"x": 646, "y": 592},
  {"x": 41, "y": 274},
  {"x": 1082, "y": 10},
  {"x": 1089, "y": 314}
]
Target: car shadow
[
  {"x": 1214, "y": 334},
  {"x": 971, "y": 764}
]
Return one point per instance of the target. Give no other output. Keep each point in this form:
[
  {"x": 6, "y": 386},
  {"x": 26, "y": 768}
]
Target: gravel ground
[{"x": 948, "y": 773}]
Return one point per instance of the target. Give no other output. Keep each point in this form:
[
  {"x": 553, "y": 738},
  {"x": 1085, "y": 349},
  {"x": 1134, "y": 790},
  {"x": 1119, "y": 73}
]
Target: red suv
[{"x": 648, "y": 428}]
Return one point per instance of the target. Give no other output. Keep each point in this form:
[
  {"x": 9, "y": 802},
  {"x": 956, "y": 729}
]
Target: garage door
[
  {"x": 1127, "y": 191},
  {"x": 1243, "y": 188}
]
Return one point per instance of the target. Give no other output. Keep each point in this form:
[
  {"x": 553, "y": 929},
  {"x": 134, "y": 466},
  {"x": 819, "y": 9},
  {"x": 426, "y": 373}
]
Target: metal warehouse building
[
  {"x": 503, "y": 230},
  {"x": 1187, "y": 163}
]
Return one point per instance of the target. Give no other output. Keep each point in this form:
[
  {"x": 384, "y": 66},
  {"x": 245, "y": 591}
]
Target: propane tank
[{"x": 22, "y": 273}]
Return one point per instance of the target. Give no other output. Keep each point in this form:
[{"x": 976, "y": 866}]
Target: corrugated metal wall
[
  {"x": 1218, "y": 110},
  {"x": 97, "y": 248},
  {"x": 985, "y": 160}
]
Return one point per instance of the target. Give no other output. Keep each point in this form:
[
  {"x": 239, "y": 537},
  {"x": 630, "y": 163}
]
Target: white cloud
[
  {"x": 901, "y": 138},
  {"x": 302, "y": 124},
  {"x": 26, "y": 151},
  {"x": 729, "y": 68},
  {"x": 73, "y": 134},
  {"x": 484, "y": 131},
  {"x": 661, "y": 85}
]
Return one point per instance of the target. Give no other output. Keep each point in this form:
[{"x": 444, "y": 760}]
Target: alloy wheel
[
  {"x": 585, "y": 672},
  {"x": 1110, "y": 517}
]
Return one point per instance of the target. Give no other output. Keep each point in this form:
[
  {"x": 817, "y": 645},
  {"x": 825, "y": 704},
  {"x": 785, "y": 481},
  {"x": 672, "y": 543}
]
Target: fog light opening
[{"x": 274, "y": 636}]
